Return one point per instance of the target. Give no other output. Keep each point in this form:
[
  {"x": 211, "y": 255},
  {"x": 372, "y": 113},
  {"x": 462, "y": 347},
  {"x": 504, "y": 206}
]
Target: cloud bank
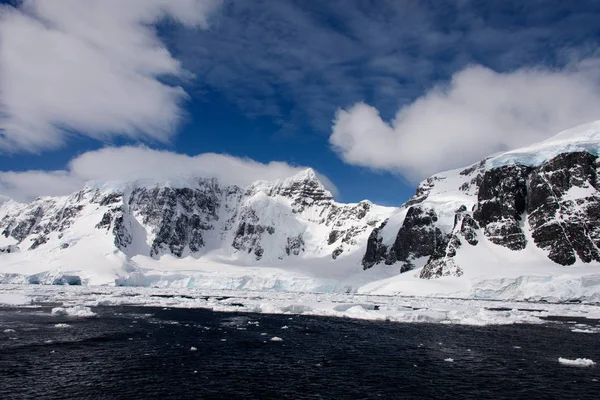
[
  {"x": 91, "y": 68},
  {"x": 130, "y": 163},
  {"x": 477, "y": 113}
]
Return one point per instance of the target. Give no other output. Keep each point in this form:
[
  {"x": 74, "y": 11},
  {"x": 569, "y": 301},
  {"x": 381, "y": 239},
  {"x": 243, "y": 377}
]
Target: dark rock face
[
  {"x": 376, "y": 251},
  {"x": 441, "y": 262},
  {"x": 180, "y": 221},
  {"x": 179, "y": 216},
  {"x": 418, "y": 237},
  {"x": 40, "y": 219},
  {"x": 558, "y": 202},
  {"x": 501, "y": 201},
  {"x": 249, "y": 233},
  {"x": 562, "y": 224}
]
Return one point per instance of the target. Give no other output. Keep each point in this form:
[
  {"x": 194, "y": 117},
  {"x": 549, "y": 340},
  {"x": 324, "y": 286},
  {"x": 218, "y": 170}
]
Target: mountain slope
[
  {"x": 523, "y": 224},
  {"x": 123, "y": 230},
  {"x": 530, "y": 212}
]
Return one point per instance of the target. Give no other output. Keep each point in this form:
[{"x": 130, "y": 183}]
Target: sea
[{"x": 131, "y": 352}]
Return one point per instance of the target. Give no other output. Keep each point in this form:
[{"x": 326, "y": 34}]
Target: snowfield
[{"x": 81, "y": 300}]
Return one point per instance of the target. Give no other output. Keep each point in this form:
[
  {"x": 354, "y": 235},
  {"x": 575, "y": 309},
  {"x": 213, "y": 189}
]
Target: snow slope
[
  {"x": 283, "y": 235},
  {"x": 523, "y": 225},
  {"x": 526, "y": 208}
]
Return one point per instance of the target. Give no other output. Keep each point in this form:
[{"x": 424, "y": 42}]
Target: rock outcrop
[
  {"x": 294, "y": 217},
  {"x": 556, "y": 203}
]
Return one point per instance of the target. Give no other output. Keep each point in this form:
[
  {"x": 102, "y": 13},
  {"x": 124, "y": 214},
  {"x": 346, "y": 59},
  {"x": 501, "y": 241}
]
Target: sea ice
[
  {"x": 276, "y": 339},
  {"x": 578, "y": 362},
  {"x": 14, "y": 299},
  {"x": 77, "y": 311}
]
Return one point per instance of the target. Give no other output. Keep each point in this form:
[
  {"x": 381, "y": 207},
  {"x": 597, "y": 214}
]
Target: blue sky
[{"x": 375, "y": 95}]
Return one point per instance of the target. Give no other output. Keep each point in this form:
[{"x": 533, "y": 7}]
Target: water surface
[{"x": 144, "y": 353}]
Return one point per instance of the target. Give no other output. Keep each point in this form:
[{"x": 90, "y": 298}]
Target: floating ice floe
[
  {"x": 276, "y": 339},
  {"x": 579, "y": 330},
  {"x": 8, "y": 330},
  {"x": 77, "y": 311},
  {"x": 62, "y": 326},
  {"x": 193, "y": 348},
  {"x": 578, "y": 362},
  {"x": 14, "y": 299},
  {"x": 450, "y": 360}
]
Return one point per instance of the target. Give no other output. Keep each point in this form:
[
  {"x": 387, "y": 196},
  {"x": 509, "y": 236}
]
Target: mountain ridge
[{"x": 528, "y": 212}]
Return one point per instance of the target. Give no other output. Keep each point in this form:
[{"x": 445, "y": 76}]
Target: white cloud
[
  {"x": 478, "y": 113},
  {"x": 89, "y": 67},
  {"x": 133, "y": 163}
]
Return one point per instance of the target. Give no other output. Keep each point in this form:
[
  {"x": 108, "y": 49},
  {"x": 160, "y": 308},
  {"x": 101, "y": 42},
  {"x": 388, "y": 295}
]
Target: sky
[{"x": 374, "y": 95}]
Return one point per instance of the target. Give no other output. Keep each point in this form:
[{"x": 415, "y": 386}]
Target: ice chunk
[
  {"x": 577, "y": 330},
  {"x": 62, "y": 326},
  {"x": 77, "y": 311},
  {"x": 193, "y": 348},
  {"x": 578, "y": 362},
  {"x": 451, "y": 360},
  {"x": 276, "y": 339}
]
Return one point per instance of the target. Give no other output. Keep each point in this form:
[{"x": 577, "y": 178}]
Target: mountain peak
[
  {"x": 305, "y": 174},
  {"x": 305, "y": 184}
]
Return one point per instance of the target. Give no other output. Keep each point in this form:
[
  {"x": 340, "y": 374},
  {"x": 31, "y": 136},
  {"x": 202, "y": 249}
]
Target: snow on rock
[
  {"x": 578, "y": 362},
  {"x": 522, "y": 225},
  {"x": 183, "y": 233},
  {"x": 76, "y": 311}
]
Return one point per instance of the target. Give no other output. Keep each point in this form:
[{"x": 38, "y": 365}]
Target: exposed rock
[
  {"x": 418, "y": 237},
  {"x": 565, "y": 226},
  {"x": 501, "y": 201},
  {"x": 295, "y": 245},
  {"x": 11, "y": 248},
  {"x": 557, "y": 200},
  {"x": 376, "y": 251}
]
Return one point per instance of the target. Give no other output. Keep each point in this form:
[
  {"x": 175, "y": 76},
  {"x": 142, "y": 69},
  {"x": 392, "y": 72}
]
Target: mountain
[
  {"x": 527, "y": 215},
  {"x": 523, "y": 224},
  {"x": 157, "y": 232}
]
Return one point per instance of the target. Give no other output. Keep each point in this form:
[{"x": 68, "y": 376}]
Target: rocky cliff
[
  {"x": 265, "y": 222},
  {"x": 528, "y": 211},
  {"x": 544, "y": 197}
]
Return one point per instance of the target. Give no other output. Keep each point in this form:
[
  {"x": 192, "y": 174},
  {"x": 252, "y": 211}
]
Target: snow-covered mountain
[
  {"x": 521, "y": 224},
  {"x": 121, "y": 230},
  {"x": 527, "y": 214}
]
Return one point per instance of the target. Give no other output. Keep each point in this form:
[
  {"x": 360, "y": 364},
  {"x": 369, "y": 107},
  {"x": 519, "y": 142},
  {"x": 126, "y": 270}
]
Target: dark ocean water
[{"x": 144, "y": 353}]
